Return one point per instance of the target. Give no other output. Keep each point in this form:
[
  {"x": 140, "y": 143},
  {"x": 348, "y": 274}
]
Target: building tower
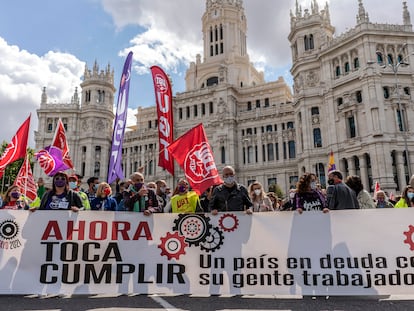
[{"x": 95, "y": 122}]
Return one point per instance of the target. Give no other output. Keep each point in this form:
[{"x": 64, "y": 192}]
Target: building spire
[
  {"x": 406, "y": 15},
  {"x": 362, "y": 16}
]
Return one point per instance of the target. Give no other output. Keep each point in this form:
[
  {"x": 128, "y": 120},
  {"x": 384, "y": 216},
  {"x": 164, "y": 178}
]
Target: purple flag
[
  {"x": 115, "y": 167},
  {"x": 51, "y": 160}
]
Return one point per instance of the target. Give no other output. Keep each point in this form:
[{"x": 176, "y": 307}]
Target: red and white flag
[
  {"x": 163, "y": 97},
  {"x": 17, "y": 148},
  {"x": 193, "y": 153},
  {"x": 377, "y": 187},
  {"x": 25, "y": 180},
  {"x": 59, "y": 141}
]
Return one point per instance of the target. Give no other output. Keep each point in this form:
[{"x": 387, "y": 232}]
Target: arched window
[
  {"x": 305, "y": 39},
  {"x": 292, "y": 149},
  {"x": 390, "y": 59},
  {"x": 356, "y": 63},
  {"x": 337, "y": 71},
  {"x": 386, "y": 92},
  {"x": 347, "y": 68},
  {"x": 223, "y": 155},
  {"x": 311, "y": 44}
]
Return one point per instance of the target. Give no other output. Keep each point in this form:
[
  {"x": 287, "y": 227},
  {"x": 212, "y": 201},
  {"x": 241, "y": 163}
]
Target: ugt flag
[
  {"x": 115, "y": 167},
  {"x": 163, "y": 97},
  {"x": 25, "y": 180},
  {"x": 51, "y": 160},
  {"x": 17, "y": 148},
  {"x": 331, "y": 164},
  {"x": 59, "y": 141},
  {"x": 193, "y": 153}
]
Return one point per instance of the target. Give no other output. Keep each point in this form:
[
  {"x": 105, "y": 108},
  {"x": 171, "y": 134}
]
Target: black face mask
[{"x": 331, "y": 182}]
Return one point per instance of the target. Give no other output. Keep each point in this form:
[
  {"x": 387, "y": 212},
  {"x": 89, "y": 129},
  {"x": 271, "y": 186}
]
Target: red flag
[
  {"x": 25, "y": 181},
  {"x": 163, "y": 96},
  {"x": 17, "y": 148},
  {"x": 193, "y": 153},
  {"x": 377, "y": 187},
  {"x": 59, "y": 141}
]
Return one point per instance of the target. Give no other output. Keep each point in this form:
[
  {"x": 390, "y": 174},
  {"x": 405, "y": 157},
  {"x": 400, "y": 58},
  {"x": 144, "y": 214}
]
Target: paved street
[{"x": 185, "y": 302}]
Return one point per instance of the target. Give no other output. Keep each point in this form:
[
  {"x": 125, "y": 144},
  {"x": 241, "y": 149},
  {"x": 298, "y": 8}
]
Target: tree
[
  {"x": 12, "y": 169},
  {"x": 277, "y": 190}
]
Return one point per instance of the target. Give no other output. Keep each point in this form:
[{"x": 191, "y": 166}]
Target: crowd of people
[{"x": 135, "y": 195}]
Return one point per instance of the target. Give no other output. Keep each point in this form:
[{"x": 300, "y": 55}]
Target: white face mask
[
  {"x": 257, "y": 191},
  {"x": 229, "y": 180},
  {"x": 313, "y": 185}
]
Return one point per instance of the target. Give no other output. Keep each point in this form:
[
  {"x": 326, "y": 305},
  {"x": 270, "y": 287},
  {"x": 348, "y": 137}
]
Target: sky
[{"x": 46, "y": 43}]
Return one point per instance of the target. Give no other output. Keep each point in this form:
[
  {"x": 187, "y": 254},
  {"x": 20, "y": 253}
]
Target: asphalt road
[{"x": 197, "y": 303}]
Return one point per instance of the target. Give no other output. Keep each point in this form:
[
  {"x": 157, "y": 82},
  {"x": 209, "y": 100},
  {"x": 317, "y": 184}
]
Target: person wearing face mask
[
  {"x": 338, "y": 195},
  {"x": 308, "y": 197},
  {"x": 407, "y": 195},
  {"x": 161, "y": 193},
  {"x": 382, "y": 200},
  {"x": 104, "y": 200},
  {"x": 93, "y": 183},
  {"x": 60, "y": 197},
  {"x": 183, "y": 200},
  {"x": 138, "y": 198},
  {"x": 13, "y": 199},
  {"x": 230, "y": 196},
  {"x": 74, "y": 185},
  {"x": 365, "y": 200},
  {"x": 261, "y": 202}
]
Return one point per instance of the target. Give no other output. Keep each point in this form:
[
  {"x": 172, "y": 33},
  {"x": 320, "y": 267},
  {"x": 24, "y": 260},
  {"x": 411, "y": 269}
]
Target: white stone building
[{"x": 351, "y": 95}]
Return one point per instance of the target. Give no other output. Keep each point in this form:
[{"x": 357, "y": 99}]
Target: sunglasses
[{"x": 60, "y": 178}]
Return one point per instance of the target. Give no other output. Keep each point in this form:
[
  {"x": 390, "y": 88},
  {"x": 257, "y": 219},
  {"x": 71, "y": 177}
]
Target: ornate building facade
[{"x": 349, "y": 97}]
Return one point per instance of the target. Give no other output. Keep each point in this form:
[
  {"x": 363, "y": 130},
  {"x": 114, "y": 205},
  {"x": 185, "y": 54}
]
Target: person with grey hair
[{"x": 230, "y": 196}]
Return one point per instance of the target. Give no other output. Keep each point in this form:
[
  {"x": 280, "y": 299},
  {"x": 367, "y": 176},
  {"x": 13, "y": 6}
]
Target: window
[
  {"x": 351, "y": 127},
  {"x": 249, "y": 154},
  {"x": 270, "y": 152},
  {"x": 337, "y": 71},
  {"x": 203, "y": 109},
  {"x": 212, "y": 81},
  {"x": 249, "y": 105},
  {"x": 390, "y": 59},
  {"x": 249, "y": 131},
  {"x": 358, "y": 96},
  {"x": 266, "y": 102},
  {"x": 380, "y": 59},
  {"x": 346, "y": 67},
  {"x": 97, "y": 169},
  {"x": 277, "y": 151},
  {"x": 356, "y": 63},
  {"x": 314, "y": 111},
  {"x": 339, "y": 101},
  {"x": 317, "y": 138},
  {"x": 211, "y": 110},
  {"x": 149, "y": 124},
  {"x": 407, "y": 91},
  {"x": 223, "y": 155},
  {"x": 400, "y": 120},
  {"x": 195, "y": 110},
  {"x": 386, "y": 91},
  {"x": 258, "y": 103},
  {"x": 187, "y": 110},
  {"x": 292, "y": 149},
  {"x": 180, "y": 113},
  {"x": 269, "y": 128},
  {"x": 290, "y": 125},
  {"x": 49, "y": 127}
]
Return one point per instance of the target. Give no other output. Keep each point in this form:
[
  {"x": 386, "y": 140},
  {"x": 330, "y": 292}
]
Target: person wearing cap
[
  {"x": 74, "y": 184},
  {"x": 60, "y": 197}
]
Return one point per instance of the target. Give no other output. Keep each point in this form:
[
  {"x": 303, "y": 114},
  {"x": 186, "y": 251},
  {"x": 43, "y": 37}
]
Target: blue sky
[{"x": 48, "y": 42}]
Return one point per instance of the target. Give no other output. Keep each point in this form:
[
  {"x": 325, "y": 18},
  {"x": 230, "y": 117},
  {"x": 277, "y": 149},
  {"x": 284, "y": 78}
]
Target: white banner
[{"x": 358, "y": 252}]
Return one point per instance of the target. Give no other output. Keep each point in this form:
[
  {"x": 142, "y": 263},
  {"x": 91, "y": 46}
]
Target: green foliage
[
  {"x": 13, "y": 168},
  {"x": 276, "y": 189}
]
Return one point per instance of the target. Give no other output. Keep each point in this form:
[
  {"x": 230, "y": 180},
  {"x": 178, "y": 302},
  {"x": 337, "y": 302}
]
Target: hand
[
  {"x": 143, "y": 191},
  {"x": 249, "y": 211},
  {"x": 74, "y": 209},
  {"x": 325, "y": 210},
  {"x": 300, "y": 211},
  {"x": 147, "y": 212},
  {"x": 214, "y": 212}
]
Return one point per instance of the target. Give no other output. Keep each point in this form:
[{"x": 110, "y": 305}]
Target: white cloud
[{"x": 22, "y": 77}]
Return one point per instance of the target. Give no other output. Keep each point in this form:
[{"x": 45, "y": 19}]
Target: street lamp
[{"x": 394, "y": 67}]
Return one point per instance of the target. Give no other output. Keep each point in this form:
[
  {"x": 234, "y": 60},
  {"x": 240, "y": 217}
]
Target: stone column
[{"x": 364, "y": 172}]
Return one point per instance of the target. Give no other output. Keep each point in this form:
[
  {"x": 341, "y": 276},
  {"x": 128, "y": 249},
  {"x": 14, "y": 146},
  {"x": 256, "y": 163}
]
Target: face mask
[
  {"x": 107, "y": 191},
  {"x": 331, "y": 182},
  {"x": 410, "y": 195},
  {"x": 313, "y": 185},
  {"x": 73, "y": 185},
  {"x": 60, "y": 182},
  {"x": 162, "y": 189},
  {"x": 182, "y": 188},
  {"x": 138, "y": 186},
  {"x": 15, "y": 194},
  {"x": 229, "y": 180},
  {"x": 381, "y": 200},
  {"x": 291, "y": 195},
  {"x": 95, "y": 187},
  {"x": 257, "y": 191}
]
